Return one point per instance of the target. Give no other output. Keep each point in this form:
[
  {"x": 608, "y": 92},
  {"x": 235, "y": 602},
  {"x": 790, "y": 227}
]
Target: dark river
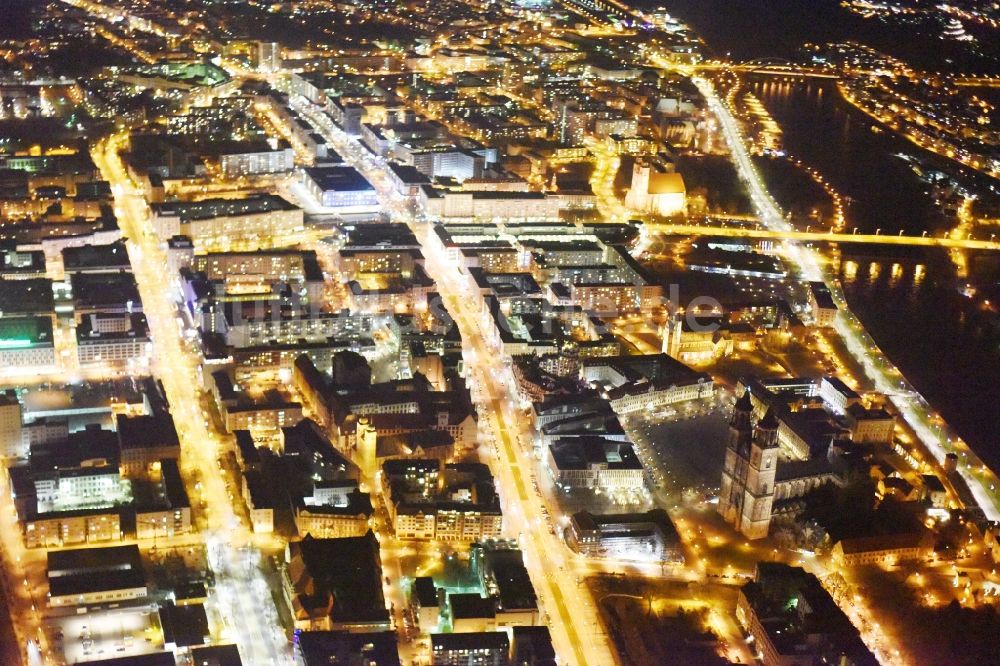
[{"x": 947, "y": 344}]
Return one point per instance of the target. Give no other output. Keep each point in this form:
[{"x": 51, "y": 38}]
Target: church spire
[
  {"x": 744, "y": 404},
  {"x": 767, "y": 430}
]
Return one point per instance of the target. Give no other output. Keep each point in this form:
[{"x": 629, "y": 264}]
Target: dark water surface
[{"x": 947, "y": 344}]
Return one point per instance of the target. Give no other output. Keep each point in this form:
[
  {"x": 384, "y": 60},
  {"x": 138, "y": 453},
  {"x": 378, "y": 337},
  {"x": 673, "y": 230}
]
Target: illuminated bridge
[
  {"x": 768, "y": 67},
  {"x": 821, "y": 237},
  {"x": 782, "y": 67},
  {"x": 978, "y": 81}
]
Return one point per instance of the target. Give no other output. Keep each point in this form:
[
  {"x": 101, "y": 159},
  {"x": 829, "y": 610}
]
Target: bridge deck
[{"x": 819, "y": 236}]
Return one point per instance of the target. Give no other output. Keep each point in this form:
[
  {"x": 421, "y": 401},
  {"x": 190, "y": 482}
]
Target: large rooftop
[
  {"x": 348, "y": 569},
  {"x": 323, "y": 648},
  {"x": 338, "y": 178},
  {"x": 209, "y": 208}
]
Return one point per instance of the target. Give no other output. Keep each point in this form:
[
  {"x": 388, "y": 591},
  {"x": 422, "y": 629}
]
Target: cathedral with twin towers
[{"x": 757, "y": 477}]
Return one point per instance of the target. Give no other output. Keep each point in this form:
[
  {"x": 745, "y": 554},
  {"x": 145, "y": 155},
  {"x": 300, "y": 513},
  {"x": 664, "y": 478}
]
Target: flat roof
[
  {"x": 22, "y": 261},
  {"x": 216, "y": 655},
  {"x": 425, "y": 592},
  {"x": 248, "y": 147},
  {"x": 838, "y": 385},
  {"x": 581, "y": 452},
  {"x": 623, "y": 523},
  {"x": 388, "y": 235},
  {"x": 513, "y": 583},
  {"x": 323, "y": 648},
  {"x": 146, "y": 431},
  {"x": 173, "y": 484},
  {"x": 533, "y": 645},
  {"x": 569, "y": 245},
  {"x": 184, "y": 626},
  {"x": 25, "y": 332},
  {"x": 112, "y": 255},
  {"x": 408, "y": 174},
  {"x": 219, "y": 207},
  {"x": 102, "y": 581},
  {"x": 654, "y": 367},
  {"x": 402, "y": 466},
  {"x": 26, "y": 297},
  {"x": 822, "y": 295},
  {"x": 80, "y": 560},
  {"x": 475, "y": 640},
  {"x": 479, "y": 194},
  {"x": 153, "y": 659},
  {"x": 88, "y": 333},
  {"x": 471, "y": 605},
  {"x": 190, "y": 590},
  {"x": 339, "y": 178},
  {"x": 105, "y": 289}
]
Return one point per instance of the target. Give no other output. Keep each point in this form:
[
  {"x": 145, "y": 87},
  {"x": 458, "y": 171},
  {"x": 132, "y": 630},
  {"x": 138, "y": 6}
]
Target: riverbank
[{"x": 749, "y": 29}]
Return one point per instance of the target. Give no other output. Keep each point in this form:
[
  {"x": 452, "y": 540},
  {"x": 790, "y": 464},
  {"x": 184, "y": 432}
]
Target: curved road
[{"x": 916, "y": 411}]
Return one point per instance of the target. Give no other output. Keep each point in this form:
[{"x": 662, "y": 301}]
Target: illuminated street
[
  {"x": 235, "y": 563},
  {"x": 523, "y": 516},
  {"x": 531, "y": 333}
]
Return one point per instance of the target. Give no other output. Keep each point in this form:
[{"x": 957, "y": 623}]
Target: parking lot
[{"x": 122, "y": 632}]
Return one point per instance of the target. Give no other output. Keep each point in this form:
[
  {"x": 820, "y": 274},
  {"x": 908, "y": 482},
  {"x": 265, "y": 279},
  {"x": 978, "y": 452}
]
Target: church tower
[
  {"x": 747, "y": 489},
  {"x": 758, "y": 493},
  {"x": 737, "y": 460}
]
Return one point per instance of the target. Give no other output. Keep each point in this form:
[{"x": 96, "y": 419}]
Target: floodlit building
[
  {"x": 650, "y": 535},
  {"x": 245, "y": 273},
  {"x": 451, "y": 502},
  {"x": 489, "y": 205},
  {"x": 260, "y": 500},
  {"x": 427, "y": 600},
  {"x": 266, "y": 415},
  {"x": 594, "y": 462},
  {"x": 884, "y": 550},
  {"x": 747, "y": 493},
  {"x": 486, "y": 648},
  {"x": 870, "y": 425},
  {"x": 250, "y": 158},
  {"x": 837, "y": 394},
  {"x": 27, "y": 343},
  {"x": 12, "y": 443},
  {"x": 633, "y": 383},
  {"x": 341, "y": 187},
  {"x": 347, "y": 512},
  {"x": 824, "y": 308},
  {"x": 114, "y": 341},
  {"x": 95, "y": 575},
  {"x": 220, "y": 223},
  {"x": 166, "y": 511},
  {"x": 656, "y": 188},
  {"x": 268, "y": 56},
  {"x": 758, "y": 472}
]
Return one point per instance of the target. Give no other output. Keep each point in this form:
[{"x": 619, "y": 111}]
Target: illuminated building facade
[
  {"x": 656, "y": 188},
  {"x": 747, "y": 490}
]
